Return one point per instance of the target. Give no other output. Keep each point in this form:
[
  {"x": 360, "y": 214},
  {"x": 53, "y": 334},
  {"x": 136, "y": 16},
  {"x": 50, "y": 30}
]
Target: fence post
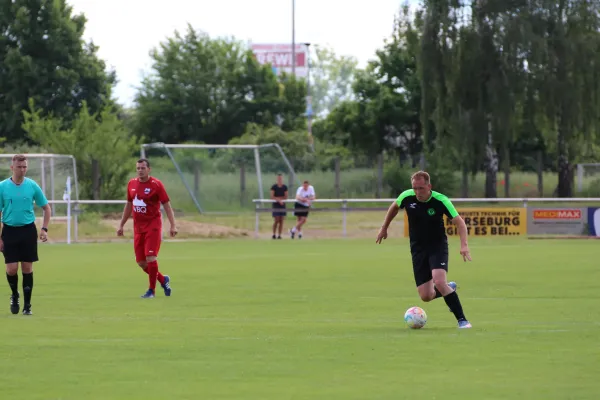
[
  {"x": 337, "y": 177},
  {"x": 196, "y": 177},
  {"x": 344, "y": 219},
  {"x": 242, "y": 185},
  {"x": 256, "y": 222},
  {"x": 379, "y": 190}
]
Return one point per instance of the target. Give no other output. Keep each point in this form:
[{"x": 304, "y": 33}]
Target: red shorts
[{"x": 147, "y": 244}]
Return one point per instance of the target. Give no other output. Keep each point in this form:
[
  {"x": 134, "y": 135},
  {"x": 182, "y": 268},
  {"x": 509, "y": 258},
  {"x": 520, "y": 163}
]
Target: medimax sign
[{"x": 557, "y": 221}]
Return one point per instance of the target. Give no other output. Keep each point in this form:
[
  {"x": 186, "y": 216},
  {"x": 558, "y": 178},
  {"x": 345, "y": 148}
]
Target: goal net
[
  {"x": 218, "y": 178},
  {"x": 57, "y": 176},
  {"x": 588, "y": 179}
]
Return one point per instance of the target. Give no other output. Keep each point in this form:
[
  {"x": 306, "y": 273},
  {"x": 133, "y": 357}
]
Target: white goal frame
[
  {"x": 256, "y": 147},
  {"x": 581, "y": 174}
]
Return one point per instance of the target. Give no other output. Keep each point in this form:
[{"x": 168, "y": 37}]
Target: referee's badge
[{"x": 431, "y": 211}]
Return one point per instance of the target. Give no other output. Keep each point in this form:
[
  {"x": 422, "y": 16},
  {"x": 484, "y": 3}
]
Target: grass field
[{"x": 311, "y": 319}]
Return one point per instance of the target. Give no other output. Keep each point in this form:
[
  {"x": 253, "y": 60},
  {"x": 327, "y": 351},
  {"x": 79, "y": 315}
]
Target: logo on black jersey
[{"x": 431, "y": 211}]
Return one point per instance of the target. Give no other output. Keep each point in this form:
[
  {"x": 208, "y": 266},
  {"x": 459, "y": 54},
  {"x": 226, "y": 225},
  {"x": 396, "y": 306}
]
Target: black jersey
[
  {"x": 279, "y": 191},
  {"x": 426, "y": 218}
]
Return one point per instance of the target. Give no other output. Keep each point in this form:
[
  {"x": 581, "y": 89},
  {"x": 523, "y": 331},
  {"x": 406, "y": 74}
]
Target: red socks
[{"x": 154, "y": 275}]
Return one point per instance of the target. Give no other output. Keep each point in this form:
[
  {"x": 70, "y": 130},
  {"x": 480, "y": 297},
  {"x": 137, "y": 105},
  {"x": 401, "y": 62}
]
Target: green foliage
[
  {"x": 593, "y": 189},
  {"x": 97, "y": 136},
  {"x": 43, "y": 56},
  {"x": 385, "y": 112},
  {"x": 441, "y": 169},
  {"x": 331, "y": 79},
  {"x": 204, "y": 89},
  {"x": 397, "y": 178}
]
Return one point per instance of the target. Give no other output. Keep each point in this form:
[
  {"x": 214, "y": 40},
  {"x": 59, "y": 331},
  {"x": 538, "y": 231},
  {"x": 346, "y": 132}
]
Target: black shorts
[
  {"x": 20, "y": 243},
  {"x": 281, "y": 207},
  {"x": 426, "y": 259},
  {"x": 302, "y": 210}
]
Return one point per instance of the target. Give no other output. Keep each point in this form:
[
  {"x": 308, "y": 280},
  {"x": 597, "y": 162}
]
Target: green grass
[{"x": 305, "y": 320}]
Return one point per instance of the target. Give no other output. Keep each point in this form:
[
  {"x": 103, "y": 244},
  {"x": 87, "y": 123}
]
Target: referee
[{"x": 19, "y": 233}]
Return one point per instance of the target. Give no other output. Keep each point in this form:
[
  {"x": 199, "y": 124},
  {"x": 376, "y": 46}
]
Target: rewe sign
[{"x": 280, "y": 57}]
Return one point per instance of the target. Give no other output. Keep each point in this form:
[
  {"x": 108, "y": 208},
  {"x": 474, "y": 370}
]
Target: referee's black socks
[
  {"x": 13, "y": 282},
  {"x": 27, "y": 287},
  {"x": 454, "y": 304}
]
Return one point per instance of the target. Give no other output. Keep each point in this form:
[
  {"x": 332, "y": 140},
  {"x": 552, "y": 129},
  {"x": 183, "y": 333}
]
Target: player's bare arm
[
  {"x": 171, "y": 217},
  {"x": 127, "y": 210},
  {"x": 389, "y": 217},
  {"x": 46, "y": 221},
  {"x": 463, "y": 233}
]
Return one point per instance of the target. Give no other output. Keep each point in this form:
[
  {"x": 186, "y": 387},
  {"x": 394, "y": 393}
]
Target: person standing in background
[
  {"x": 305, "y": 195},
  {"x": 279, "y": 193}
]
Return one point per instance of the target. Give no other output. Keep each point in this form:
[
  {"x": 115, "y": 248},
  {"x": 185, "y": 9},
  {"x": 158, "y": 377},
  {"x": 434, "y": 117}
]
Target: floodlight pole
[{"x": 294, "y": 38}]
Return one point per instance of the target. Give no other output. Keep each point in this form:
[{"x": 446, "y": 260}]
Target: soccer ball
[{"x": 415, "y": 317}]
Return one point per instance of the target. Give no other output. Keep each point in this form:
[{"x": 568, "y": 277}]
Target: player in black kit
[
  {"x": 279, "y": 193},
  {"x": 428, "y": 241}
]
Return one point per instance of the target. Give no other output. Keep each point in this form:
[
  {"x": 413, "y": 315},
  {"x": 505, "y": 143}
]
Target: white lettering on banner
[
  {"x": 280, "y": 59},
  {"x": 283, "y": 59}
]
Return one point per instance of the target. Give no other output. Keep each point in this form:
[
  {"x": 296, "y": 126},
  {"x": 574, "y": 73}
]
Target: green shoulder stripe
[
  {"x": 404, "y": 195},
  {"x": 446, "y": 202}
]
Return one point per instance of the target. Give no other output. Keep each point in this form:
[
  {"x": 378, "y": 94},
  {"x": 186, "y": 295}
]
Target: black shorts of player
[
  {"x": 20, "y": 243},
  {"x": 427, "y": 258},
  {"x": 278, "y": 206},
  {"x": 301, "y": 210}
]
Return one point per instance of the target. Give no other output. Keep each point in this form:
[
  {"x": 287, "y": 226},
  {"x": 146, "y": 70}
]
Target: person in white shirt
[{"x": 304, "y": 197}]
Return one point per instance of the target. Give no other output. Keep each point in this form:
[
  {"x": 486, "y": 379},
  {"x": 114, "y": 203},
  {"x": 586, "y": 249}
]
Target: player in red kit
[{"x": 145, "y": 194}]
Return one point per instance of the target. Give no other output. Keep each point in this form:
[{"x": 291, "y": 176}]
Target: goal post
[
  {"x": 211, "y": 174},
  {"x": 56, "y": 174},
  {"x": 588, "y": 178}
]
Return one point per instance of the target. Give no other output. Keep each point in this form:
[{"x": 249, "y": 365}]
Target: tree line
[{"x": 459, "y": 87}]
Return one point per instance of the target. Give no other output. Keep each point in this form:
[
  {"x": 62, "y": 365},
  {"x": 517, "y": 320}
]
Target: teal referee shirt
[{"x": 16, "y": 201}]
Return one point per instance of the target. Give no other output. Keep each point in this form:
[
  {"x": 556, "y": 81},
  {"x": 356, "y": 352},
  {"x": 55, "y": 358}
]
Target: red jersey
[{"x": 146, "y": 198}]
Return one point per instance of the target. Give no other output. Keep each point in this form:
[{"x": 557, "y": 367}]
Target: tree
[
  {"x": 103, "y": 148},
  {"x": 385, "y": 112},
  {"x": 331, "y": 78},
  {"x": 43, "y": 56},
  {"x": 204, "y": 89}
]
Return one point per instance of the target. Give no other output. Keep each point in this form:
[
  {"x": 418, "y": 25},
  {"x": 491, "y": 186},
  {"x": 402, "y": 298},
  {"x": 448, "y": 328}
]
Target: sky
[{"x": 127, "y": 30}]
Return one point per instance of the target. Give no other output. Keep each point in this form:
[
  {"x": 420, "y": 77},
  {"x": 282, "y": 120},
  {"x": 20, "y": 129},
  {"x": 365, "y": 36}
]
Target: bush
[
  {"x": 442, "y": 175},
  {"x": 593, "y": 189},
  {"x": 396, "y": 178},
  {"x": 441, "y": 170}
]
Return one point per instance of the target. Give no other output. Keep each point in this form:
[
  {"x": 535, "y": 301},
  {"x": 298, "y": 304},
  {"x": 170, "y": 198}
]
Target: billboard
[
  {"x": 557, "y": 221},
  {"x": 594, "y": 221},
  {"x": 280, "y": 57},
  {"x": 483, "y": 221}
]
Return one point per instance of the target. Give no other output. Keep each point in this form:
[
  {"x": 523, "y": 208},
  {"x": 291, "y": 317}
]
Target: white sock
[{"x": 294, "y": 230}]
